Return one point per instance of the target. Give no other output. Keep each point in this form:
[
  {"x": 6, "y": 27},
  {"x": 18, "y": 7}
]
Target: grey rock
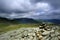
[
  {"x": 55, "y": 38},
  {"x": 30, "y": 34}
]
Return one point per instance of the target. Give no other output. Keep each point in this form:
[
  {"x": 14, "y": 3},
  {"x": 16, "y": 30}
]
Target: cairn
[
  {"x": 45, "y": 27},
  {"x": 44, "y": 30}
]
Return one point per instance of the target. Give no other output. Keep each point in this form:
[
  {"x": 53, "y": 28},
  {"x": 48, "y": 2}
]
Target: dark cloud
[
  {"x": 41, "y": 9},
  {"x": 55, "y": 3}
]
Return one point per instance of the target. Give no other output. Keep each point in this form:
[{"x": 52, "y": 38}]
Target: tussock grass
[{"x": 5, "y": 27}]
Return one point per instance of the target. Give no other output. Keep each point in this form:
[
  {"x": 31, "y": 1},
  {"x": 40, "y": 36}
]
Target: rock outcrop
[{"x": 43, "y": 33}]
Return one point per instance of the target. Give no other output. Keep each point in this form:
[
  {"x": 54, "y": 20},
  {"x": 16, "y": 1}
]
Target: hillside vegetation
[{"x": 8, "y": 25}]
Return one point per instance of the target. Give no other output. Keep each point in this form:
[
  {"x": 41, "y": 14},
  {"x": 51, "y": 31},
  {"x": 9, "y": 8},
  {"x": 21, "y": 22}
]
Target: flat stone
[{"x": 46, "y": 33}]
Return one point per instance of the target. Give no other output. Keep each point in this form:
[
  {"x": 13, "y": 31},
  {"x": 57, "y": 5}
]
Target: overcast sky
[{"x": 36, "y": 9}]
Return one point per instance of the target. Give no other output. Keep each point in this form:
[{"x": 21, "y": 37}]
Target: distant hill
[
  {"x": 25, "y": 20},
  {"x": 19, "y": 20},
  {"x": 55, "y": 21},
  {"x": 29, "y": 20}
]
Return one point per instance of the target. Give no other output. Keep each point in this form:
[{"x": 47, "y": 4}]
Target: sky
[{"x": 36, "y": 9}]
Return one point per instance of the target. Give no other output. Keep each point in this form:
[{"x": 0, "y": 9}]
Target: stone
[
  {"x": 59, "y": 37},
  {"x": 40, "y": 37},
  {"x": 55, "y": 38},
  {"x": 46, "y": 33},
  {"x": 31, "y": 34}
]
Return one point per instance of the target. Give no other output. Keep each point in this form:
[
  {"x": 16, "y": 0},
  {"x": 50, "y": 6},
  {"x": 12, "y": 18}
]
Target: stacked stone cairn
[{"x": 47, "y": 33}]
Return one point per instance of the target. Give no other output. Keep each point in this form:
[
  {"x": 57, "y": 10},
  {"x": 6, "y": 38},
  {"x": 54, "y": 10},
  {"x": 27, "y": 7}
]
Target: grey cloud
[
  {"x": 15, "y": 6},
  {"x": 54, "y": 3},
  {"x": 41, "y": 9}
]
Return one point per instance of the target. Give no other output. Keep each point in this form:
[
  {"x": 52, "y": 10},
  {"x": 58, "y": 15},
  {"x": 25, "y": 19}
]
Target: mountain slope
[
  {"x": 55, "y": 21},
  {"x": 19, "y": 20},
  {"x": 26, "y": 20}
]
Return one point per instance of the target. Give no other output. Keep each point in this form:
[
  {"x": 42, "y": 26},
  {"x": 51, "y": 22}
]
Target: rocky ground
[{"x": 38, "y": 33}]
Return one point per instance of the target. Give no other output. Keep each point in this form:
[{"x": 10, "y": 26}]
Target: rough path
[{"x": 31, "y": 34}]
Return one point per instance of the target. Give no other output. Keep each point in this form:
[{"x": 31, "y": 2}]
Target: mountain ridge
[{"x": 20, "y": 20}]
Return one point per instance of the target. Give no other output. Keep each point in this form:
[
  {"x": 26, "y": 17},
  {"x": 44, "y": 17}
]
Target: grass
[{"x": 5, "y": 27}]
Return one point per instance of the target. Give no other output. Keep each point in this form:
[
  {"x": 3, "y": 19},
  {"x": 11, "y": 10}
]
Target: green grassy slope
[{"x": 7, "y": 25}]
